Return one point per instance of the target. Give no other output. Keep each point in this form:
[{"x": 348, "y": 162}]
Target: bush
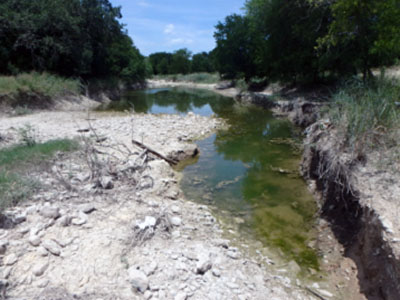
[
  {"x": 194, "y": 77},
  {"x": 36, "y": 88},
  {"x": 15, "y": 186},
  {"x": 367, "y": 113}
]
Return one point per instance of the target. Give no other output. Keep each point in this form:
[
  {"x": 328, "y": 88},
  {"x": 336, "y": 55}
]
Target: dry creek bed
[{"x": 110, "y": 221}]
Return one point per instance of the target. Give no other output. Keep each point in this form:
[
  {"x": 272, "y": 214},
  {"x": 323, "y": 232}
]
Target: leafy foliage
[
  {"x": 180, "y": 62},
  {"x": 72, "y": 38},
  {"x": 306, "y": 40}
]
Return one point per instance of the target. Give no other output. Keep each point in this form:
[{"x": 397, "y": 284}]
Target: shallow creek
[{"x": 248, "y": 173}]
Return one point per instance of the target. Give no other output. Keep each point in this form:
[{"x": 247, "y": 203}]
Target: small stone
[
  {"x": 175, "y": 209},
  {"x": 42, "y": 251},
  {"x": 50, "y": 212},
  {"x": 181, "y": 296},
  {"x": 7, "y": 272},
  {"x": 203, "y": 266},
  {"x": 10, "y": 259},
  {"x": 232, "y": 285},
  {"x": 18, "y": 219},
  {"x": 87, "y": 208},
  {"x": 43, "y": 283},
  {"x": 150, "y": 269},
  {"x": 65, "y": 220},
  {"x": 52, "y": 247},
  {"x": 24, "y": 230},
  {"x": 216, "y": 272},
  {"x": 233, "y": 254},
  {"x": 34, "y": 240},
  {"x": 3, "y": 246},
  {"x": 149, "y": 221},
  {"x": 106, "y": 183},
  {"x": 138, "y": 280},
  {"x": 147, "y": 295},
  {"x": 80, "y": 220},
  {"x": 176, "y": 221},
  {"x": 39, "y": 269}
]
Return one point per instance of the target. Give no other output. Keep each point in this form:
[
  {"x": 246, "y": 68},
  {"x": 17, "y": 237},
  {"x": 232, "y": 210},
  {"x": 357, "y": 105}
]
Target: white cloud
[
  {"x": 180, "y": 41},
  {"x": 169, "y": 29},
  {"x": 143, "y": 4}
]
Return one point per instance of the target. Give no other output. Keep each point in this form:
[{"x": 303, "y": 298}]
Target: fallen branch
[
  {"x": 314, "y": 293},
  {"x": 170, "y": 161}
]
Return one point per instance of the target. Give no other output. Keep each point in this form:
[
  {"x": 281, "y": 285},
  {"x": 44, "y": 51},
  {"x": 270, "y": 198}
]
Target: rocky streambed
[{"x": 124, "y": 230}]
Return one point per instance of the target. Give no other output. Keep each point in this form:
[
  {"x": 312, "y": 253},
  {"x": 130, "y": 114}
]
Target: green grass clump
[
  {"x": 35, "y": 88},
  {"x": 194, "y": 77},
  {"x": 367, "y": 114},
  {"x": 15, "y": 186}
]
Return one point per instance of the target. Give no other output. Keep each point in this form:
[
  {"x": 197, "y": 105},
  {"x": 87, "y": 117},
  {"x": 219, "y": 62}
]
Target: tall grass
[
  {"x": 194, "y": 77},
  {"x": 33, "y": 88},
  {"x": 367, "y": 114},
  {"x": 15, "y": 186}
]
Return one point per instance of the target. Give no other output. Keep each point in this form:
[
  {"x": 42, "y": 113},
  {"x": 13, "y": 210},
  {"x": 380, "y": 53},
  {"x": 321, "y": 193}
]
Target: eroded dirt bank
[
  {"x": 110, "y": 221},
  {"x": 360, "y": 202}
]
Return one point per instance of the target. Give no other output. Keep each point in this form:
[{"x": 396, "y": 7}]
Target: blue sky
[{"x": 168, "y": 25}]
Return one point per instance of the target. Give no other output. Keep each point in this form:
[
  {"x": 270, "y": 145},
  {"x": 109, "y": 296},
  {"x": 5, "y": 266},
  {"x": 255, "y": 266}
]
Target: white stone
[
  {"x": 50, "y": 212},
  {"x": 176, "y": 221},
  {"x": 39, "y": 269},
  {"x": 175, "y": 209},
  {"x": 52, "y": 247},
  {"x": 203, "y": 266},
  {"x": 181, "y": 296},
  {"x": 10, "y": 259},
  {"x": 148, "y": 222},
  {"x": 87, "y": 208},
  {"x": 138, "y": 280},
  {"x": 34, "y": 240}
]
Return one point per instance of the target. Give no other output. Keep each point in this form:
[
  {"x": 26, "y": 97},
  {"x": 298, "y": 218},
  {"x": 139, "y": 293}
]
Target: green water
[{"x": 249, "y": 171}]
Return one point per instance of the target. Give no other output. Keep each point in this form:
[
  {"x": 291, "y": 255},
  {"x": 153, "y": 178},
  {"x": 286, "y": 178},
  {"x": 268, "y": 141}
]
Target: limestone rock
[
  {"x": 3, "y": 246},
  {"x": 65, "y": 220},
  {"x": 87, "y": 208},
  {"x": 52, "y": 247},
  {"x": 39, "y": 269},
  {"x": 81, "y": 219},
  {"x": 34, "y": 240},
  {"x": 50, "y": 212},
  {"x": 106, "y": 182},
  {"x": 203, "y": 266},
  {"x": 176, "y": 221},
  {"x": 10, "y": 259},
  {"x": 138, "y": 280}
]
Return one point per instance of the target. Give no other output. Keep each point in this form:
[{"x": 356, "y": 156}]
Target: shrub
[
  {"x": 367, "y": 114},
  {"x": 36, "y": 88}
]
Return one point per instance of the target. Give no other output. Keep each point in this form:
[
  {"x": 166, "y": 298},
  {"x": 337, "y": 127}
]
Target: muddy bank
[
  {"x": 360, "y": 202},
  {"x": 121, "y": 228}
]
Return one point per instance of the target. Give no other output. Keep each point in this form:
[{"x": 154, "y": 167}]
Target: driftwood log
[{"x": 159, "y": 155}]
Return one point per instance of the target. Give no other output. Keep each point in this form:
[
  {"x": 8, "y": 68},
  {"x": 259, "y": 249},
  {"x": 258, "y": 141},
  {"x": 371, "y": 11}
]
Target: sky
[{"x": 169, "y": 25}]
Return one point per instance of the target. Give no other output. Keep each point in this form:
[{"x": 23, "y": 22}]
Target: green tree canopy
[{"x": 73, "y": 38}]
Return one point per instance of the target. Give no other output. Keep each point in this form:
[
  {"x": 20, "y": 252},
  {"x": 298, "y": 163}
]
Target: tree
[
  {"x": 202, "y": 62},
  {"x": 234, "y": 52},
  {"x": 73, "y": 38},
  {"x": 368, "y": 30},
  {"x": 286, "y": 37},
  {"x": 180, "y": 63}
]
